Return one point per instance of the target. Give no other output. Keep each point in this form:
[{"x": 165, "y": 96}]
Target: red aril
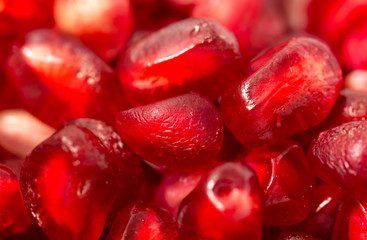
[
  {"x": 54, "y": 72},
  {"x": 289, "y": 89},
  {"x": 14, "y": 218},
  {"x": 174, "y": 188},
  {"x": 225, "y": 205},
  {"x": 195, "y": 54},
  {"x": 104, "y": 26},
  {"x": 351, "y": 221},
  {"x": 339, "y": 156},
  {"x": 69, "y": 183},
  {"x": 142, "y": 221},
  {"x": 326, "y": 202},
  {"x": 128, "y": 163},
  {"x": 285, "y": 179},
  {"x": 351, "y": 105},
  {"x": 182, "y": 133},
  {"x": 256, "y": 24}
]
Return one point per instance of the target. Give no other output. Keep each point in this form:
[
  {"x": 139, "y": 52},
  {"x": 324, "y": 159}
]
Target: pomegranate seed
[
  {"x": 326, "y": 202},
  {"x": 183, "y": 133},
  {"x": 350, "y": 106},
  {"x": 351, "y": 222},
  {"x": 128, "y": 164},
  {"x": 143, "y": 221},
  {"x": 193, "y": 54},
  {"x": 69, "y": 184},
  {"x": 225, "y": 205},
  {"x": 279, "y": 97},
  {"x": 286, "y": 180},
  {"x": 337, "y": 157},
  {"x": 174, "y": 188},
  {"x": 14, "y": 218},
  {"x": 104, "y": 26},
  {"x": 53, "y": 71}
]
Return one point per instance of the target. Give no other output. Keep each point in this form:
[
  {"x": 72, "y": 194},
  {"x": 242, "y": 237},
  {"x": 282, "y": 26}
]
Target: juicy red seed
[
  {"x": 296, "y": 236},
  {"x": 174, "y": 188},
  {"x": 56, "y": 72},
  {"x": 326, "y": 203},
  {"x": 225, "y": 205},
  {"x": 69, "y": 184},
  {"x": 142, "y": 221},
  {"x": 104, "y": 27},
  {"x": 190, "y": 55},
  {"x": 351, "y": 105},
  {"x": 285, "y": 179},
  {"x": 291, "y": 88},
  {"x": 351, "y": 221},
  {"x": 181, "y": 133},
  {"x": 14, "y": 218},
  {"x": 338, "y": 157},
  {"x": 128, "y": 163}
]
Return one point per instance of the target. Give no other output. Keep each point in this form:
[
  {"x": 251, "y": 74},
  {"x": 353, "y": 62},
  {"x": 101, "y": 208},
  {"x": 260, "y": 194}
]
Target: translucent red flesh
[
  {"x": 69, "y": 184},
  {"x": 181, "y": 133},
  {"x": 56, "y": 72},
  {"x": 142, "y": 221},
  {"x": 225, "y": 205},
  {"x": 190, "y": 55},
  {"x": 291, "y": 88},
  {"x": 338, "y": 156},
  {"x": 286, "y": 181}
]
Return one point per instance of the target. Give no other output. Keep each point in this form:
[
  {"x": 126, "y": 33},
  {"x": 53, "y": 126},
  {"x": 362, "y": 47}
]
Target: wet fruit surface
[
  {"x": 56, "y": 72},
  {"x": 286, "y": 181},
  {"x": 142, "y": 221},
  {"x": 225, "y": 205},
  {"x": 183, "y": 119},
  {"x": 191, "y": 55},
  {"x": 69, "y": 190},
  {"x": 338, "y": 156},
  {"x": 291, "y": 88},
  {"x": 168, "y": 133},
  {"x": 351, "y": 222},
  {"x": 14, "y": 218}
]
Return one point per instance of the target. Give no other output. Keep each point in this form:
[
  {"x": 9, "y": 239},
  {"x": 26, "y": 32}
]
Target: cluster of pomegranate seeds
[
  {"x": 53, "y": 71},
  {"x": 286, "y": 182},
  {"x": 183, "y": 119},
  {"x": 193, "y": 54},
  {"x": 106, "y": 32}
]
